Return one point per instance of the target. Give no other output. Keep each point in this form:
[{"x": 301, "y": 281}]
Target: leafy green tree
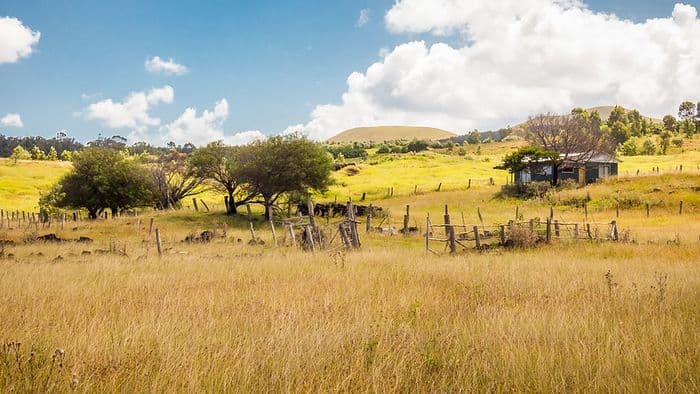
[
  {"x": 618, "y": 114},
  {"x": 37, "y": 153},
  {"x": 670, "y": 123},
  {"x": 686, "y": 110},
  {"x": 416, "y": 146},
  {"x": 474, "y": 137},
  {"x": 173, "y": 181},
  {"x": 102, "y": 178},
  {"x": 648, "y": 147},
  {"x": 520, "y": 159},
  {"x": 629, "y": 147},
  {"x": 687, "y": 127},
  {"x": 66, "y": 155},
  {"x": 19, "y": 153},
  {"x": 219, "y": 164},
  {"x": 619, "y": 132},
  {"x": 282, "y": 165},
  {"x": 53, "y": 155},
  {"x": 664, "y": 142}
]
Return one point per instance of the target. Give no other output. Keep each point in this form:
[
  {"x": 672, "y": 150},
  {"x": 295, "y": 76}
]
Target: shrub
[
  {"x": 649, "y": 147},
  {"x": 520, "y": 236},
  {"x": 629, "y": 148}
]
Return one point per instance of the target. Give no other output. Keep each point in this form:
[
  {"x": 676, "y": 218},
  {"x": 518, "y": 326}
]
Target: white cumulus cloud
[
  {"x": 11, "y": 120},
  {"x": 363, "y": 18},
  {"x": 16, "y": 40},
  {"x": 517, "y": 58},
  {"x": 156, "y": 65},
  {"x": 133, "y": 112},
  {"x": 205, "y": 128}
]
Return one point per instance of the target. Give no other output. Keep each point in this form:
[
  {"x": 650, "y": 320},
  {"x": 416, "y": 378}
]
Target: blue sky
[{"x": 273, "y": 61}]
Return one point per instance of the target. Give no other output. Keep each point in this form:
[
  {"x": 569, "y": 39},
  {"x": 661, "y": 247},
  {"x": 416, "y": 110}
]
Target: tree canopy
[
  {"x": 102, "y": 178},
  {"x": 281, "y": 165}
]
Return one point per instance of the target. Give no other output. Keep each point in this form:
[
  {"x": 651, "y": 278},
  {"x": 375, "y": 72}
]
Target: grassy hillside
[
  {"x": 22, "y": 182},
  {"x": 390, "y": 133}
]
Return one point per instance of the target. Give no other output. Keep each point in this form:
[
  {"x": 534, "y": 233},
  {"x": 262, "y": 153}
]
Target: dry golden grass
[{"x": 234, "y": 317}]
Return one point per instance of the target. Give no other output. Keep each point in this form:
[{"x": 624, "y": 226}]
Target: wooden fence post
[
  {"x": 548, "y": 233},
  {"x": 310, "y": 237},
  {"x": 585, "y": 210},
  {"x": 291, "y": 234},
  {"x": 477, "y": 241},
  {"x": 428, "y": 230},
  {"x": 194, "y": 203},
  {"x": 517, "y": 213},
  {"x": 647, "y": 205},
  {"x": 158, "y": 245},
  {"x": 406, "y": 220},
  {"x": 344, "y": 236},
  {"x": 368, "y": 224},
  {"x": 478, "y": 212},
  {"x": 415, "y": 189},
  {"x": 556, "y": 229},
  {"x": 502, "y": 234},
  {"x": 274, "y": 233},
  {"x": 617, "y": 210},
  {"x": 575, "y": 230},
  {"x": 469, "y": 184},
  {"x": 680, "y": 208},
  {"x": 150, "y": 229},
  {"x": 205, "y": 204},
  {"x": 364, "y": 194},
  {"x": 614, "y": 230},
  {"x": 588, "y": 230},
  {"x": 439, "y": 187},
  {"x": 450, "y": 232}
]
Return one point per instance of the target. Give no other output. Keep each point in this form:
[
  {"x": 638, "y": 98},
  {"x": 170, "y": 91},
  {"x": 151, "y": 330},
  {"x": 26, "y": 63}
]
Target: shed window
[{"x": 567, "y": 170}]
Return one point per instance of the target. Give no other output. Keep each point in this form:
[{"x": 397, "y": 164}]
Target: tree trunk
[
  {"x": 92, "y": 213},
  {"x": 232, "y": 208},
  {"x": 555, "y": 174},
  {"x": 268, "y": 208}
]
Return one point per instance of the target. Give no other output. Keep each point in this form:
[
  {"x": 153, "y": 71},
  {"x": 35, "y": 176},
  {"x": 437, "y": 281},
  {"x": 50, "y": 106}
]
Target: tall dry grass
[{"x": 593, "y": 317}]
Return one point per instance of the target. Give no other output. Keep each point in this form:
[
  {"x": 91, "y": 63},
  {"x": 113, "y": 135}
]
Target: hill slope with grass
[{"x": 391, "y": 133}]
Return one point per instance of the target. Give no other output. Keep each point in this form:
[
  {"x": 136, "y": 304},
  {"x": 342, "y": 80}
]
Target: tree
[
  {"x": 37, "y": 153},
  {"x": 670, "y": 123},
  {"x": 53, "y": 155},
  {"x": 665, "y": 142},
  {"x": 686, "y": 110},
  {"x": 173, "y": 180},
  {"x": 576, "y": 137},
  {"x": 619, "y": 132},
  {"x": 219, "y": 164},
  {"x": 519, "y": 160},
  {"x": 629, "y": 148},
  {"x": 19, "y": 153},
  {"x": 282, "y": 165},
  {"x": 66, "y": 155},
  {"x": 474, "y": 137},
  {"x": 416, "y": 146},
  {"x": 618, "y": 114},
  {"x": 102, "y": 178},
  {"x": 648, "y": 147}
]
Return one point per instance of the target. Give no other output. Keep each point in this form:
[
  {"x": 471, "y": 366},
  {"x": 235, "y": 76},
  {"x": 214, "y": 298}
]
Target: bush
[
  {"x": 416, "y": 146},
  {"x": 520, "y": 236},
  {"x": 677, "y": 142},
  {"x": 649, "y": 147},
  {"x": 629, "y": 148}
]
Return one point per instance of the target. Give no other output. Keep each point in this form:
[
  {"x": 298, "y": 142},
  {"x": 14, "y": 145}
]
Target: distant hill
[
  {"x": 606, "y": 110},
  {"x": 391, "y": 133}
]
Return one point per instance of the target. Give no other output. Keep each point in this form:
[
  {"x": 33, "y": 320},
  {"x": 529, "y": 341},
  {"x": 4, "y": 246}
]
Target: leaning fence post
[
  {"x": 158, "y": 246},
  {"x": 344, "y": 236},
  {"x": 291, "y": 234},
  {"x": 150, "y": 229},
  {"x": 310, "y": 237},
  {"x": 439, "y": 187},
  {"x": 205, "y": 204},
  {"x": 194, "y": 203},
  {"x": 274, "y": 233}
]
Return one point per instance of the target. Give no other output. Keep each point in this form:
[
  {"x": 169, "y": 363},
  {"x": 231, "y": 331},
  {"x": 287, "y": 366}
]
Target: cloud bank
[
  {"x": 518, "y": 58},
  {"x": 16, "y": 40}
]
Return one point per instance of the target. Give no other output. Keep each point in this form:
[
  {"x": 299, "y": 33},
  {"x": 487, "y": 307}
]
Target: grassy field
[{"x": 570, "y": 316}]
